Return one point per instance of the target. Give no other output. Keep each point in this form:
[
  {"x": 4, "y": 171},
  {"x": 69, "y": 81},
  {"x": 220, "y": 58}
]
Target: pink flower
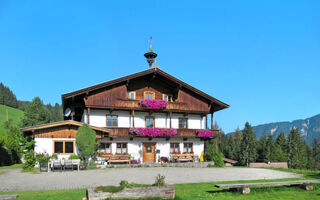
[
  {"x": 153, "y": 103},
  {"x": 204, "y": 133},
  {"x": 153, "y": 132}
]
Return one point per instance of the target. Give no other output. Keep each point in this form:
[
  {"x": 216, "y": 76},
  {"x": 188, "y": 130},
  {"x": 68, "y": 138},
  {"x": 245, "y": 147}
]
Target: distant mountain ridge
[{"x": 309, "y": 128}]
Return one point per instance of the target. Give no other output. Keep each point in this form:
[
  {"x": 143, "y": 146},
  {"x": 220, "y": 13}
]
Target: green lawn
[
  {"x": 15, "y": 166},
  {"x": 198, "y": 191},
  {"x": 14, "y": 114}
]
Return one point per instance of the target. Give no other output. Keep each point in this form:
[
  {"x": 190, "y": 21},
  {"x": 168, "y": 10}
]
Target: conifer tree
[
  {"x": 248, "y": 147},
  {"x": 261, "y": 149},
  {"x": 237, "y": 141},
  {"x": 297, "y": 154},
  {"x": 36, "y": 113}
]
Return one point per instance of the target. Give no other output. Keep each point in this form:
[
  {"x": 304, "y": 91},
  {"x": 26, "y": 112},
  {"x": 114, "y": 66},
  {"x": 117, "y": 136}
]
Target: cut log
[{"x": 9, "y": 196}]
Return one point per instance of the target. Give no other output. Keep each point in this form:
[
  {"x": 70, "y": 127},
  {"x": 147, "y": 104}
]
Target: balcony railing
[{"x": 123, "y": 132}]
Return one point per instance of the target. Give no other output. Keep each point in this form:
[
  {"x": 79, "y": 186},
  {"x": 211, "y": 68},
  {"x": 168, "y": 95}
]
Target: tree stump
[
  {"x": 245, "y": 190},
  {"x": 308, "y": 186}
]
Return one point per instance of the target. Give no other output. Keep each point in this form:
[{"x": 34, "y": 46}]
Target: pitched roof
[
  {"x": 61, "y": 123},
  {"x": 143, "y": 73}
]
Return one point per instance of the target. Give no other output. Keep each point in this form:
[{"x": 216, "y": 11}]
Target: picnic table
[{"x": 244, "y": 188}]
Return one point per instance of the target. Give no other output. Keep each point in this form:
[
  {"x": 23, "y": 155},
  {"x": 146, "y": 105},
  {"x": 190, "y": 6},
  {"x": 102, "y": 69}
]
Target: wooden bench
[
  {"x": 245, "y": 187},
  {"x": 183, "y": 157},
  {"x": 119, "y": 159},
  {"x": 8, "y": 196}
]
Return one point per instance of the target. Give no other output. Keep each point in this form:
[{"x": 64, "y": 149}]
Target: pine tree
[
  {"x": 297, "y": 154},
  {"x": 281, "y": 140},
  {"x": 316, "y": 155},
  {"x": 261, "y": 149},
  {"x": 269, "y": 149},
  {"x": 237, "y": 142},
  {"x": 248, "y": 147},
  {"x": 36, "y": 113}
]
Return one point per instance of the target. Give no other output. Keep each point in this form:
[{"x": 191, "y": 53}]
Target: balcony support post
[
  {"x": 212, "y": 121},
  {"x": 133, "y": 118},
  {"x": 88, "y": 115},
  {"x": 170, "y": 115},
  {"x": 206, "y": 121}
]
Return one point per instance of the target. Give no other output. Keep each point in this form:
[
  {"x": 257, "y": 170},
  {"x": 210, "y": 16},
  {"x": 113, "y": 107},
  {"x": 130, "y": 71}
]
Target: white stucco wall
[
  {"x": 135, "y": 146},
  {"x": 98, "y": 118},
  {"x": 45, "y": 145}
]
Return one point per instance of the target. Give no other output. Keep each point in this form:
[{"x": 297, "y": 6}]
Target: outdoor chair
[
  {"x": 68, "y": 164},
  {"x": 56, "y": 164}
]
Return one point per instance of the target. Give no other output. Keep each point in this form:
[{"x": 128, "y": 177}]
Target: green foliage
[
  {"x": 315, "y": 162},
  {"x": 212, "y": 153},
  {"x": 248, "y": 146},
  {"x": 7, "y": 97},
  {"x": 36, "y": 113},
  {"x": 159, "y": 181},
  {"x": 42, "y": 157},
  {"x": 74, "y": 157},
  {"x": 297, "y": 155},
  {"x": 91, "y": 165},
  {"x": 86, "y": 142},
  {"x": 30, "y": 160}
]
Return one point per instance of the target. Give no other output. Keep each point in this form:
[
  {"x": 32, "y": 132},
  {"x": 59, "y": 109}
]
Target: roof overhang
[
  {"x": 218, "y": 105},
  {"x": 62, "y": 123}
]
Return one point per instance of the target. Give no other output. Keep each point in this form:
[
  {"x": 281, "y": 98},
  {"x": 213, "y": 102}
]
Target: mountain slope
[
  {"x": 14, "y": 114},
  {"x": 309, "y": 128}
]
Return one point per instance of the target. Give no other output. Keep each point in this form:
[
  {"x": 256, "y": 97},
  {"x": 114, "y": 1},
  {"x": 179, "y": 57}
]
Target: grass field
[
  {"x": 14, "y": 114},
  {"x": 195, "y": 191}
]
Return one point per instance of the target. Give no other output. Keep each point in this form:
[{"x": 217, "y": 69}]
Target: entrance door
[{"x": 149, "y": 152}]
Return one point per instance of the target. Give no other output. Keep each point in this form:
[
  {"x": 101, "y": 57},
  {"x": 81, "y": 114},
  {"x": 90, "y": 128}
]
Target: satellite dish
[{"x": 67, "y": 112}]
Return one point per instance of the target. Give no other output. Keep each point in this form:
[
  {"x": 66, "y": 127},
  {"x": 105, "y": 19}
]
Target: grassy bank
[
  {"x": 15, "y": 166},
  {"x": 14, "y": 114}
]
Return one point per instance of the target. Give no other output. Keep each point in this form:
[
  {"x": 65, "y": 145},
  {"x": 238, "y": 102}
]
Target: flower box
[
  {"x": 153, "y": 103},
  {"x": 204, "y": 133},
  {"x": 153, "y": 132}
]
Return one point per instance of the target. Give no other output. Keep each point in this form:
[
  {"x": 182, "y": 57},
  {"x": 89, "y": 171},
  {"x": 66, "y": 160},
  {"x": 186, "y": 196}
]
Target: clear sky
[{"x": 261, "y": 57}]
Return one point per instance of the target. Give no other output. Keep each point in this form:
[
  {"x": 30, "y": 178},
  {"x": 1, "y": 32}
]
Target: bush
[
  {"x": 159, "y": 181},
  {"x": 212, "y": 154},
  {"x": 30, "y": 160},
  {"x": 91, "y": 165},
  {"x": 54, "y": 156},
  {"x": 74, "y": 157},
  {"x": 42, "y": 157},
  {"x": 86, "y": 142},
  {"x": 135, "y": 162}
]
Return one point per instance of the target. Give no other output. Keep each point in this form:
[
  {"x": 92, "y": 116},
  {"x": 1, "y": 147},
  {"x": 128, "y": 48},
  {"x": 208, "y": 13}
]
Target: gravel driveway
[{"x": 14, "y": 180}]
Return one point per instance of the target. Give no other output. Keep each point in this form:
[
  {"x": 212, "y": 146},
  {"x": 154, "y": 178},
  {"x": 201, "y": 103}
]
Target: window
[
  {"x": 174, "y": 148},
  {"x": 183, "y": 122},
  {"x": 63, "y": 147},
  {"x": 149, "y": 95},
  {"x": 105, "y": 148},
  {"x": 167, "y": 97},
  {"x": 149, "y": 121},
  {"x": 132, "y": 95},
  {"x": 188, "y": 148},
  {"x": 112, "y": 120},
  {"x": 122, "y": 148}
]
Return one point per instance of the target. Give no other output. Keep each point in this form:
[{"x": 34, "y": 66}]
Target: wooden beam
[
  {"x": 170, "y": 115},
  {"x": 133, "y": 118},
  {"x": 88, "y": 115},
  {"x": 212, "y": 121},
  {"x": 206, "y": 121}
]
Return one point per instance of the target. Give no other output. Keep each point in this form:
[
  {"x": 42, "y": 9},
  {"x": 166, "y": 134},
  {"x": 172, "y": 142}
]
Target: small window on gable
[
  {"x": 132, "y": 95},
  {"x": 149, "y": 95},
  {"x": 149, "y": 121}
]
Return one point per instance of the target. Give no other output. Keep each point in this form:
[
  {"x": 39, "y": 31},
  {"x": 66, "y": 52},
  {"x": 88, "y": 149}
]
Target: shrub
[
  {"x": 30, "y": 160},
  {"x": 74, "y": 157},
  {"x": 42, "y": 157},
  {"x": 213, "y": 154},
  {"x": 86, "y": 141},
  {"x": 91, "y": 165},
  {"x": 159, "y": 181},
  {"x": 54, "y": 156}
]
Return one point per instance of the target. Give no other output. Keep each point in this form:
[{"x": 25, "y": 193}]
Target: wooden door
[{"x": 149, "y": 152}]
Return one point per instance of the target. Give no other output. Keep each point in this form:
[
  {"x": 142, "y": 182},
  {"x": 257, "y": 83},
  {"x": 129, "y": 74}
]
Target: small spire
[{"x": 150, "y": 44}]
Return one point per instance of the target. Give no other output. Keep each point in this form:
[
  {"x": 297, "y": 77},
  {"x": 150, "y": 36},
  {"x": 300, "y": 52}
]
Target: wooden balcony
[{"x": 124, "y": 132}]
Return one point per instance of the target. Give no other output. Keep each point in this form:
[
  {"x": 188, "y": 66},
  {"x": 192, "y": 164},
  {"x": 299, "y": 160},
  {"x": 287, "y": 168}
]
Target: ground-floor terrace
[
  {"x": 118, "y": 145},
  {"x": 15, "y": 180}
]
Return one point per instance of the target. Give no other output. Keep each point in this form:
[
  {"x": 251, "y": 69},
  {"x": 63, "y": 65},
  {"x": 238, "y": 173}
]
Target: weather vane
[
  {"x": 150, "y": 44},
  {"x": 150, "y": 56}
]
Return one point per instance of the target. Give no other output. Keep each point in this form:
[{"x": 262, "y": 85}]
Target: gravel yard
[{"x": 14, "y": 180}]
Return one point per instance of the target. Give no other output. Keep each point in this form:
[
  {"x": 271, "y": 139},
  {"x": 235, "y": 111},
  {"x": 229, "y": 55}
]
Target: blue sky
[{"x": 261, "y": 57}]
